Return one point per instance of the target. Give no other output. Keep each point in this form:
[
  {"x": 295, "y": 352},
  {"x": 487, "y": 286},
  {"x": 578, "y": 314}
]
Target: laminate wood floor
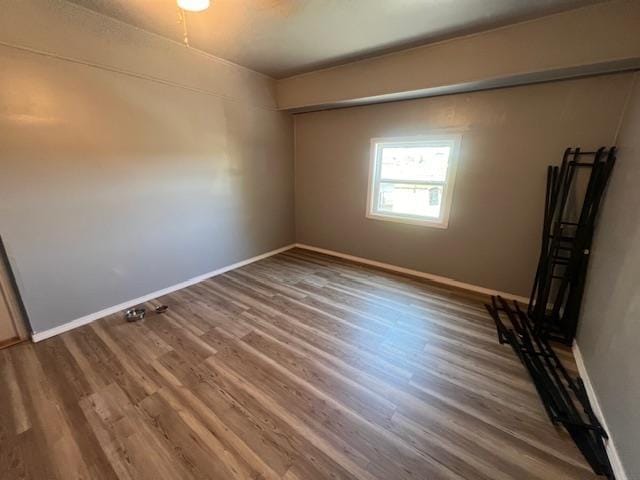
[{"x": 297, "y": 367}]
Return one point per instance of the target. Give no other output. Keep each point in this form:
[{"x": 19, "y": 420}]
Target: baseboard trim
[
  {"x": 612, "y": 453},
  {"x": 44, "y": 334},
  {"x": 416, "y": 273}
]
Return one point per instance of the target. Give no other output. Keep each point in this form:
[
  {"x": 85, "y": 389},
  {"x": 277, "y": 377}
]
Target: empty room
[{"x": 320, "y": 239}]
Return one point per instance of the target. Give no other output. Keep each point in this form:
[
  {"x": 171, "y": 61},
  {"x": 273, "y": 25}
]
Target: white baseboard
[
  {"x": 415, "y": 273},
  {"x": 612, "y": 453},
  {"x": 44, "y": 334}
]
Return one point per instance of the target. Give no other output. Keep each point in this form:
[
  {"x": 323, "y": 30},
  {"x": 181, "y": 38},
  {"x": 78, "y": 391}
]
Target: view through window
[{"x": 412, "y": 179}]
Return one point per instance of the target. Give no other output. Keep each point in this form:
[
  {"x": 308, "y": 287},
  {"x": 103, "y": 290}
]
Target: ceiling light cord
[{"x": 182, "y": 18}]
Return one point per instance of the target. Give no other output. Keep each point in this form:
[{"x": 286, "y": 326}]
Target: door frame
[{"x": 10, "y": 294}]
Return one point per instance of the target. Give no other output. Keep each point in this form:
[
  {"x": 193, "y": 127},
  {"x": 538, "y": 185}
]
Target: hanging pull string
[{"x": 182, "y": 18}]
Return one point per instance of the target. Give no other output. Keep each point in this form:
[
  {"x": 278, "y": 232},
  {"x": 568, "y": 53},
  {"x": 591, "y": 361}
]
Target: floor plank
[{"x": 297, "y": 367}]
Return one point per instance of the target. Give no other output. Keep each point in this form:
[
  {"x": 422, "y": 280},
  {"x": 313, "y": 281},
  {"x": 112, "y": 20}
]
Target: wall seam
[
  {"x": 625, "y": 107},
  {"x": 140, "y": 76}
]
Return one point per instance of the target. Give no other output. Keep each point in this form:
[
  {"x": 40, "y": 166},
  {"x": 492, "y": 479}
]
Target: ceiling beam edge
[{"x": 555, "y": 75}]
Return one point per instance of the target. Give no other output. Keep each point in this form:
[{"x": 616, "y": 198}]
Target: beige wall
[
  {"x": 583, "y": 40},
  {"x": 609, "y": 330},
  {"x": 509, "y": 137},
  {"x": 129, "y": 163},
  {"x": 63, "y": 29}
]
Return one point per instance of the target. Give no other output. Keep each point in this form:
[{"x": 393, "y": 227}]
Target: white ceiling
[{"x": 285, "y": 37}]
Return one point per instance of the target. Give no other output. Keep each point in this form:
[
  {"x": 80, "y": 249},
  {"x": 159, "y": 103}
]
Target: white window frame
[{"x": 377, "y": 144}]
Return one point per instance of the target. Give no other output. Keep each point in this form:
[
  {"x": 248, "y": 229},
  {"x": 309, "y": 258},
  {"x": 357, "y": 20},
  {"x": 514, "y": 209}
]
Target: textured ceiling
[{"x": 284, "y": 37}]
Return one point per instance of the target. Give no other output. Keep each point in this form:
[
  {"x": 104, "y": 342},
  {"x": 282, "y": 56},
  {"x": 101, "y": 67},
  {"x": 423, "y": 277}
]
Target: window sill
[{"x": 408, "y": 220}]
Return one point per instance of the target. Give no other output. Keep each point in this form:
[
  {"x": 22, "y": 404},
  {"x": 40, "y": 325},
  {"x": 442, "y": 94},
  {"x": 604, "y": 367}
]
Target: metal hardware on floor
[
  {"x": 135, "y": 314},
  {"x": 161, "y": 309}
]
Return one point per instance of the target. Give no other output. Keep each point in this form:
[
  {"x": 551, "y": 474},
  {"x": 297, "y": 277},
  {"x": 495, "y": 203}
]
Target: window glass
[
  {"x": 412, "y": 179},
  {"x": 414, "y": 163},
  {"x": 411, "y": 199}
]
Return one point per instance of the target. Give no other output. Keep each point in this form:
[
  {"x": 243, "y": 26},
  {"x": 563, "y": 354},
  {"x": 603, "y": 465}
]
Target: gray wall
[
  {"x": 117, "y": 184},
  {"x": 609, "y": 330},
  {"x": 509, "y": 137}
]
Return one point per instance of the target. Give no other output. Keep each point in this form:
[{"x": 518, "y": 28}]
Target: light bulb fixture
[
  {"x": 190, "y": 6},
  {"x": 193, "y": 5}
]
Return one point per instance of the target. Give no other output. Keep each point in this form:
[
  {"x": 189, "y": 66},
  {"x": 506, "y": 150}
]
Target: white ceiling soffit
[
  {"x": 566, "y": 73},
  {"x": 281, "y": 38}
]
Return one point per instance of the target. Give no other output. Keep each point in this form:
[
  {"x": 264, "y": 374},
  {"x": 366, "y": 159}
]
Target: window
[{"x": 411, "y": 179}]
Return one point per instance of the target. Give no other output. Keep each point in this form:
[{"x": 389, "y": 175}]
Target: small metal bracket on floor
[
  {"x": 161, "y": 309},
  {"x": 135, "y": 314}
]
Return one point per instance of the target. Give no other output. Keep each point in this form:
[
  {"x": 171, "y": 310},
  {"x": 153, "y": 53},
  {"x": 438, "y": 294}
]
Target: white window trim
[{"x": 453, "y": 140}]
